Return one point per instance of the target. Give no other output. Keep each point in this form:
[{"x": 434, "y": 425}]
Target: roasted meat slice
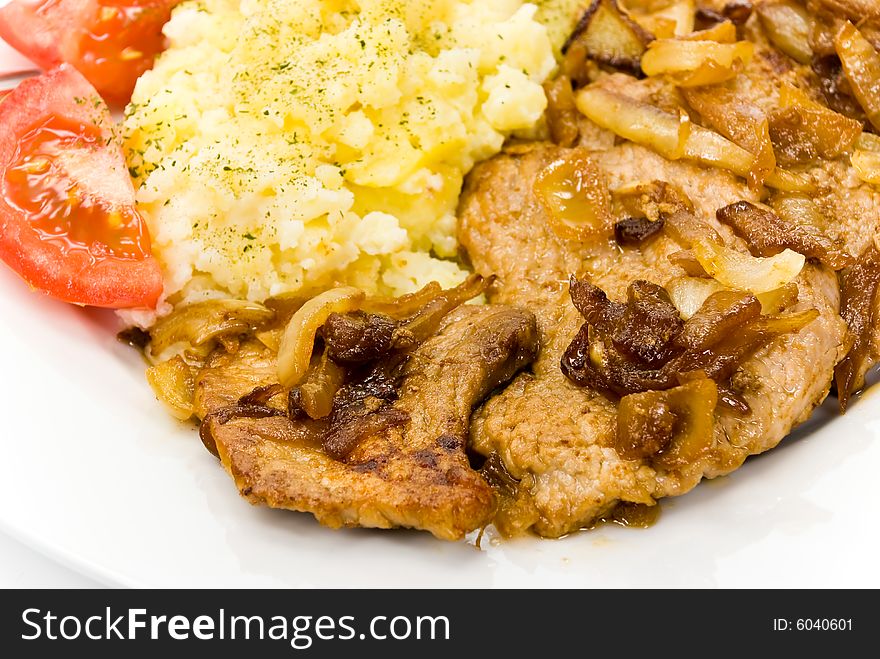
[
  {"x": 557, "y": 439},
  {"x": 408, "y": 467}
]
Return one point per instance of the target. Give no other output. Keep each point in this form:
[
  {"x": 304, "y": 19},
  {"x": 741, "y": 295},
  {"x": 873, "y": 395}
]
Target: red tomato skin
[
  {"x": 50, "y": 32},
  {"x": 75, "y": 276}
]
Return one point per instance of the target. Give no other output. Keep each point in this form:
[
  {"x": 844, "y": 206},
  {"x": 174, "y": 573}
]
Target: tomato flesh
[
  {"x": 63, "y": 214},
  {"x": 68, "y": 222},
  {"x": 111, "y": 42},
  {"x": 120, "y": 43}
]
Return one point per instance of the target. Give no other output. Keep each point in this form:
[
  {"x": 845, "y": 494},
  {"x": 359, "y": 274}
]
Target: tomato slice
[
  {"x": 68, "y": 223},
  {"x": 111, "y": 42}
]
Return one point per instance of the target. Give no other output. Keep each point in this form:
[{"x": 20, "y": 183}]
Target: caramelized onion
[
  {"x": 719, "y": 314},
  {"x": 779, "y": 299},
  {"x": 672, "y": 18},
  {"x": 358, "y": 337},
  {"x": 709, "y": 148},
  {"x": 724, "y": 31},
  {"x": 652, "y": 200},
  {"x": 867, "y": 166},
  {"x": 261, "y": 395},
  {"x": 674, "y": 137},
  {"x": 787, "y": 25},
  {"x": 834, "y": 85},
  {"x": 403, "y": 306},
  {"x": 693, "y": 405},
  {"x": 664, "y": 18},
  {"x": 859, "y": 288},
  {"x": 633, "y": 120},
  {"x": 686, "y": 229},
  {"x": 633, "y": 231},
  {"x": 648, "y": 324},
  {"x": 173, "y": 382},
  {"x": 740, "y": 121},
  {"x": 714, "y": 344},
  {"x": 802, "y": 130},
  {"x": 423, "y": 324},
  {"x": 866, "y": 158},
  {"x": 799, "y": 209},
  {"x": 197, "y": 324},
  {"x": 343, "y": 439},
  {"x": 696, "y": 63},
  {"x": 575, "y": 193},
  {"x": 673, "y": 427},
  {"x": 689, "y": 293},
  {"x": 861, "y": 64},
  {"x": 686, "y": 260},
  {"x": 297, "y": 342},
  {"x": 562, "y": 114},
  {"x": 314, "y": 396},
  {"x": 768, "y": 235},
  {"x": 606, "y": 34},
  {"x": 747, "y": 273}
]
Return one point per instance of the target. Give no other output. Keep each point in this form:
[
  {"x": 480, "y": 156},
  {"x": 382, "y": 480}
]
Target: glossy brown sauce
[{"x": 631, "y": 515}]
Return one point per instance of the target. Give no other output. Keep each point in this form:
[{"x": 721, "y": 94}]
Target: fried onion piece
[
  {"x": 562, "y": 114},
  {"x": 803, "y": 131},
  {"x": 686, "y": 260},
  {"x": 415, "y": 330},
  {"x": 861, "y": 64},
  {"x": 173, "y": 382},
  {"x": 721, "y": 312},
  {"x": 644, "y": 124},
  {"x": 199, "y": 323},
  {"x": 673, "y": 428},
  {"x": 740, "y": 121},
  {"x": 714, "y": 343},
  {"x": 648, "y": 324},
  {"x": 574, "y": 191},
  {"x": 768, "y": 235},
  {"x": 314, "y": 395},
  {"x": 835, "y": 87},
  {"x": 674, "y": 136},
  {"x": 696, "y": 63},
  {"x": 633, "y": 231},
  {"x": 689, "y": 293},
  {"x": 404, "y": 306},
  {"x": 735, "y": 11},
  {"x": 744, "y": 272},
  {"x": 606, "y": 34},
  {"x": 859, "y": 288},
  {"x": 799, "y": 209},
  {"x": 787, "y": 24},
  {"x": 298, "y": 340},
  {"x": 866, "y": 158},
  {"x": 663, "y": 18},
  {"x": 723, "y": 32},
  {"x": 358, "y": 337},
  {"x": 363, "y": 407}
]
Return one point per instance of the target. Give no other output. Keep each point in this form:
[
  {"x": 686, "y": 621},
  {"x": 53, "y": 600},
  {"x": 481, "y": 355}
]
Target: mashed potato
[{"x": 284, "y": 145}]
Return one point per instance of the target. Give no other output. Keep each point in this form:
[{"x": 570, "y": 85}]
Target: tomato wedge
[
  {"x": 111, "y": 42},
  {"x": 68, "y": 223}
]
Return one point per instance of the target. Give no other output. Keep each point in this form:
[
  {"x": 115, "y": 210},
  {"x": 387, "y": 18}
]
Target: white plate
[{"x": 97, "y": 476}]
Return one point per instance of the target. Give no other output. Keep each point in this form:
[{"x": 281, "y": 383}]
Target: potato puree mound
[{"x": 286, "y": 145}]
